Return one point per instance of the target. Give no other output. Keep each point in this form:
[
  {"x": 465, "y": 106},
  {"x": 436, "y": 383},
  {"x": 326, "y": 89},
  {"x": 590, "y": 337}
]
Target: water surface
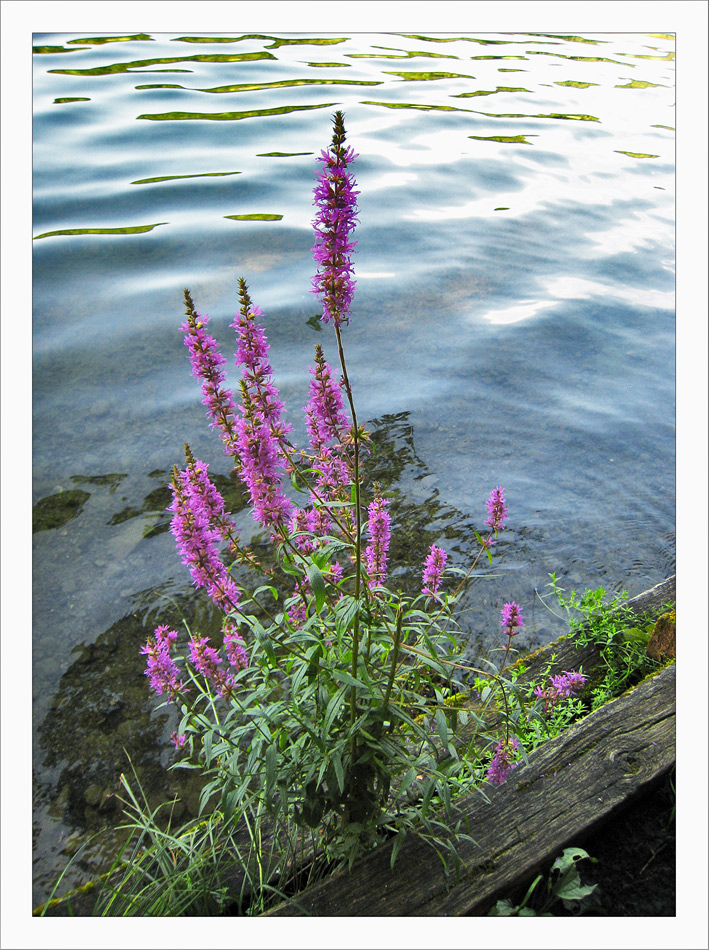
[{"x": 513, "y": 325}]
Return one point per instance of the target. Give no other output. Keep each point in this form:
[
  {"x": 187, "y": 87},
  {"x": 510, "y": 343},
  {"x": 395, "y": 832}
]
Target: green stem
[
  {"x": 395, "y": 655},
  {"x": 358, "y": 528}
]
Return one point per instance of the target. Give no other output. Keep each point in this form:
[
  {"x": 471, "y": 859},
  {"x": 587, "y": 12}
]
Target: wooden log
[{"x": 570, "y": 785}]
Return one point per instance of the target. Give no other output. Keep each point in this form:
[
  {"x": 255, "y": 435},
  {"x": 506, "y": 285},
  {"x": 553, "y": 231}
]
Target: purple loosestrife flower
[
  {"x": 496, "y": 510},
  {"x": 207, "y": 661},
  {"x": 261, "y": 467},
  {"x": 334, "y": 575},
  {"x": 178, "y": 740},
  {"x": 252, "y": 356},
  {"x": 336, "y": 217},
  {"x": 327, "y": 420},
  {"x": 565, "y": 685},
  {"x": 512, "y": 620},
  {"x": 197, "y": 536},
  {"x": 433, "y": 568},
  {"x": 260, "y": 433},
  {"x": 235, "y": 648},
  {"x": 206, "y": 499},
  {"x": 568, "y": 684},
  {"x": 297, "y": 609},
  {"x": 503, "y": 761},
  {"x": 375, "y": 555},
  {"x": 315, "y": 522},
  {"x": 206, "y": 363},
  {"x": 161, "y": 668}
]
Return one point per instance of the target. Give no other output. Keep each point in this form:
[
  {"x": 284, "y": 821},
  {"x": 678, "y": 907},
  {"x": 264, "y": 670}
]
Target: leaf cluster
[{"x": 563, "y": 884}]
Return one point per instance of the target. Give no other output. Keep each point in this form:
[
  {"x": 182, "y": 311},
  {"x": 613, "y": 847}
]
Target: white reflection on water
[
  {"x": 522, "y": 311},
  {"x": 578, "y": 288},
  {"x": 641, "y": 229}
]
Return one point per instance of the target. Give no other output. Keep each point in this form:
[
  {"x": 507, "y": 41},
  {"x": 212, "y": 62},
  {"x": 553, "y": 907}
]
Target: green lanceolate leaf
[
  {"x": 427, "y": 796},
  {"x": 442, "y": 727},
  {"x": 271, "y": 760},
  {"x": 318, "y": 585},
  {"x": 336, "y": 701},
  {"x": 260, "y": 590},
  {"x": 398, "y": 841},
  {"x": 337, "y": 765},
  {"x": 408, "y": 779},
  {"x": 345, "y": 612},
  {"x": 344, "y": 677}
]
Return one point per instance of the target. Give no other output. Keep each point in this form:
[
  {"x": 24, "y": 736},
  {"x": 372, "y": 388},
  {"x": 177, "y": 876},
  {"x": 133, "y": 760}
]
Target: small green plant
[
  {"x": 563, "y": 884},
  {"x": 620, "y": 636}
]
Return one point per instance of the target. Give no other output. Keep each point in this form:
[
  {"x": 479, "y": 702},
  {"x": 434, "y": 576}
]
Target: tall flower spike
[
  {"x": 206, "y": 363},
  {"x": 261, "y": 434},
  {"x": 261, "y": 467},
  {"x": 511, "y": 619},
  {"x": 235, "y": 648},
  {"x": 207, "y": 661},
  {"x": 256, "y": 372},
  {"x": 497, "y": 510},
  {"x": 161, "y": 668},
  {"x": 511, "y": 622},
  {"x": 376, "y": 552},
  {"x": 206, "y": 499},
  {"x": 433, "y": 568},
  {"x": 327, "y": 425},
  {"x": 336, "y": 201},
  {"x": 327, "y": 421},
  {"x": 198, "y": 537}
]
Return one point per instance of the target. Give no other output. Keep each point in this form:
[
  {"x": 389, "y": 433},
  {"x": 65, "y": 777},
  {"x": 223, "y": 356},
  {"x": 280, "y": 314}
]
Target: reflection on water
[{"x": 513, "y": 324}]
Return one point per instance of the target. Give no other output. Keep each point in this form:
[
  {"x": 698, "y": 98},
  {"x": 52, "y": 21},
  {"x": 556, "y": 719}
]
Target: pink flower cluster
[
  {"x": 503, "y": 761},
  {"x": 496, "y": 512},
  {"x": 161, "y": 668},
  {"x": 336, "y": 201},
  {"x": 433, "y": 568},
  {"x": 512, "y": 620},
  {"x": 260, "y": 431},
  {"x": 200, "y": 524},
  {"x": 206, "y": 363},
  {"x": 376, "y": 552},
  {"x": 327, "y": 426},
  {"x": 563, "y": 686}
]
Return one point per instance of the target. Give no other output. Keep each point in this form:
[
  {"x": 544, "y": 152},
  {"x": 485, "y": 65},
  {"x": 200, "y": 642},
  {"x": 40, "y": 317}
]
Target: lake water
[{"x": 513, "y": 325}]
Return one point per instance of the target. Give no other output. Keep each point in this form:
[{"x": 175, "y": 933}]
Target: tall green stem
[
  {"x": 395, "y": 654},
  {"x": 358, "y": 528}
]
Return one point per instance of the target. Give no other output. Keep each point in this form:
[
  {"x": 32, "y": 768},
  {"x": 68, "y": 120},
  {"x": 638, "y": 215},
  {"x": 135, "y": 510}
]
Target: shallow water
[{"x": 513, "y": 325}]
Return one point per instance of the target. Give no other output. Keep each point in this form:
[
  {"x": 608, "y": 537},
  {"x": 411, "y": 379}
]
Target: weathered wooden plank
[{"x": 571, "y": 784}]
